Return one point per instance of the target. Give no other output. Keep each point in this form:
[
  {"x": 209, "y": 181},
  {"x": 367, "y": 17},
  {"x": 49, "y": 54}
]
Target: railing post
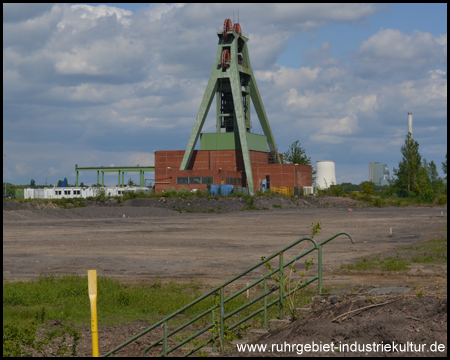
[
  {"x": 165, "y": 340},
  {"x": 281, "y": 285},
  {"x": 320, "y": 270},
  {"x": 222, "y": 330},
  {"x": 265, "y": 302},
  {"x": 213, "y": 334}
]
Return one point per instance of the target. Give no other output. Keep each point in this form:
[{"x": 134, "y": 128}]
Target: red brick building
[{"x": 225, "y": 167}]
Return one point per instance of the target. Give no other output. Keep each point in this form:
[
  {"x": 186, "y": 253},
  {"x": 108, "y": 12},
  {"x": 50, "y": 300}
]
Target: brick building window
[
  {"x": 205, "y": 180},
  {"x": 195, "y": 180},
  {"x": 234, "y": 181}
]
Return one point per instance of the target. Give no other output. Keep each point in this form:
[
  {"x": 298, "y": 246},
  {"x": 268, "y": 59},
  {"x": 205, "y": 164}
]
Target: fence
[{"x": 220, "y": 322}]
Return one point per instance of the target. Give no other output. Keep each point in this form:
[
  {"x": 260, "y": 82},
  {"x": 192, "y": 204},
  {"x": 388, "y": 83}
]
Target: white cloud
[
  {"x": 52, "y": 171},
  {"x": 391, "y": 53}
]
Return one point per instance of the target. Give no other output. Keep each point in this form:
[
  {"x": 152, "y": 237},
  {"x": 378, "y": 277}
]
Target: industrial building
[
  {"x": 379, "y": 173},
  {"x": 74, "y": 192},
  {"x": 232, "y": 155}
]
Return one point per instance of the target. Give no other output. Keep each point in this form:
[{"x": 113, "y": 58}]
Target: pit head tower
[
  {"x": 233, "y": 84},
  {"x": 232, "y": 154}
]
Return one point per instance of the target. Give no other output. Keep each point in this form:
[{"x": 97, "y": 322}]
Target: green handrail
[{"x": 220, "y": 289}]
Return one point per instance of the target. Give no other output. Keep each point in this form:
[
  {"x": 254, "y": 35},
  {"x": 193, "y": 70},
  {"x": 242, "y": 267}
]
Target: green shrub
[
  {"x": 441, "y": 200},
  {"x": 336, "y": 190},
  {"x": 377, "y": 202},
  {"x": 356, "y": 195}
]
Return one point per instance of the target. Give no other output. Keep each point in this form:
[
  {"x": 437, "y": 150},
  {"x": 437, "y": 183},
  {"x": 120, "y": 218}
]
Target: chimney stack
[{"x": 410, "y": 123}]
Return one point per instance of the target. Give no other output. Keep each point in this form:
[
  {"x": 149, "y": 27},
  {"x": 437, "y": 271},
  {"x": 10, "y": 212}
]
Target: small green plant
[
  {"x": 100, "y": 194},
  {"x": 24, "y": 340},
  {"x": 250, "y": 203},
  {"x": 288, "y": 283}
]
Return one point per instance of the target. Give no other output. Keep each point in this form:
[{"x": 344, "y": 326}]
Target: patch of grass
[
  {"x": 394, "y": 264},
  {"x": 276, "y": 206},
  {"x": 365, "y": 264},
  {"x": 66, "y": 298},
  {"x": 430, "y": 252}
]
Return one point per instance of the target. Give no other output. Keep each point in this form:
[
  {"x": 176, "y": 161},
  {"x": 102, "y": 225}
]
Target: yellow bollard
[{"x": 92, "y": 279}]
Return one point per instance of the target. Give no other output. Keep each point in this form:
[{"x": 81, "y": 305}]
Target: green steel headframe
[{"x": 233, "y": 83}]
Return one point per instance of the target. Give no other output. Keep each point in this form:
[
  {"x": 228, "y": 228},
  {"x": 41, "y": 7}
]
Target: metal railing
[{"x": 220, "y": 323}]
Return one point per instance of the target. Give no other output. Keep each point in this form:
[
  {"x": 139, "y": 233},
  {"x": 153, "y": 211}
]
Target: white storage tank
[{"x": 326, "y": 174}]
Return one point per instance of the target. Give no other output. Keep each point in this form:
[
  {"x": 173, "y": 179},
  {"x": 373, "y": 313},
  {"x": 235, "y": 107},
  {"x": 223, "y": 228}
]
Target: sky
[{"x": 108, "y": 84}]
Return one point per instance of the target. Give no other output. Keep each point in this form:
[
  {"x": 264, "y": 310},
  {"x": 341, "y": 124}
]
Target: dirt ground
[
  {"x": 145, "y": 238},
  {"x": 141, "y": 240},
  {"x": 409, "y": 324}
]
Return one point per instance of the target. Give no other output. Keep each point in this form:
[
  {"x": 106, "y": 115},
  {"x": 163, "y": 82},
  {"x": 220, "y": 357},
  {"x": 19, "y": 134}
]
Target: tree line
[{"x": 415, "y": 177}]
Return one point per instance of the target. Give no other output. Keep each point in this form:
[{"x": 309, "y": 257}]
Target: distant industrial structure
[
  {"x": 76, "y": 192},
  {"x": 379, "y": 173},
  {"x": 326, "y": 174},
  {"x": 410, "y": 123}
]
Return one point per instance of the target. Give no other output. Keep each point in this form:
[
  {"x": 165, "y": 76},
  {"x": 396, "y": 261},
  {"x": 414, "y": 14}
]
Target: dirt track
[{"x": 212, "y": 247}]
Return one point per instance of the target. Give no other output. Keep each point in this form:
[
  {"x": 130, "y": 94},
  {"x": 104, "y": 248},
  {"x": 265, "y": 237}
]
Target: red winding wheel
[
  {"x": 225, "y": 58},
  {"x": 227, "y": 26},
  {"x": 237, "y": 28}
]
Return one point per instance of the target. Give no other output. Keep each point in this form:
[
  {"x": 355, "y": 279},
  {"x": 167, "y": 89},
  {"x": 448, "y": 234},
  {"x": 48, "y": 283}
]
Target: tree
[
  {"x": 131, "y": 183},
  {"x": 82, "y": 184},
  {"x": 432, "y": 172},
  {"x": 444, "y": 166},
  {"x": 296, "y": 154},
  {"x": 422, "y": 185},
  {"x": 409, "y": 166},
  {"x": 436, "y": 181},
  {"x": 59, "y": 183},
  {"x": 32, "y": 182}
]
